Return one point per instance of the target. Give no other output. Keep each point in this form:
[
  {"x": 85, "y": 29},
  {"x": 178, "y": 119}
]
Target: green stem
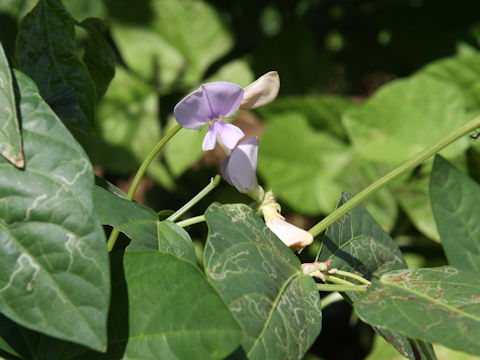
[
  {"x": 352, "y": 276},
  {"x": 335, "y": 280},
  {"x": 330, "y": 287},
  {"x": 191, "y": 221},
  {"x": 213, "y": 183},
  {"x": 139, "y": 175},
  {"x": 394, "y": 174}
]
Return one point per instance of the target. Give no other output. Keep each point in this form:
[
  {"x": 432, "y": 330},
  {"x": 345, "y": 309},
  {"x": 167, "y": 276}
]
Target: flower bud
[{"x": 262, "y": 91}]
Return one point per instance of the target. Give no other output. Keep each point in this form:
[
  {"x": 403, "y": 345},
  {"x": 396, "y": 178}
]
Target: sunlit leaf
[
  {"x": 382, "y": 128},
  {"x": 278, "y": 307},
  {"x": 455, "y": 200},
  {"x": 54, "y": 258},
  {"x": 436, "y": 305}
]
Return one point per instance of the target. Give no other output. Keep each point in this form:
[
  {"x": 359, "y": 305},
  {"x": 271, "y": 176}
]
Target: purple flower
[
  {"x": 240, "y": 168},
  {"x": 208, "y": 105}
]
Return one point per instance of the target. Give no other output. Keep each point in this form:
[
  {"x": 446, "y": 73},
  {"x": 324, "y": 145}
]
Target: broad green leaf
[
  {"x": 115, "y": 211},
  {"x": 46, "y": 52},
  {"x": 141, "y": 225},
  {"x": 53, "y": 251},
  {"x": 437, "y": 305},
  {"x": 195, "y": 30},
  {"x": 455, "y": 200},
  {"x": 414, "y": 199},
  {"x": 98, "y": 57},
  {"x": 310, "y": 175},
  {"x": 128, "y": 129},
  {"x": 164, "y": 236},
  {"x": 356, "y": 243},
  {"x": 301, "y": 164},
  {"x": 185, "y": 149},
  {"x": 259, "y": 278},
  {"x": 10, "y": 137},
  {"x": 382, "y": 128},
  {"x": 174, "y": 312},
  {"x": 462, "y": 71},
  {"x": 148, "y": 54},
  {"x": 324, "y": 112}
]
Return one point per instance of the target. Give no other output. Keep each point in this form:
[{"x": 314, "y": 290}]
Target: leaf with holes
[
  {"x": 437, "y": 305},
  {"x": 53, "y": 255},
  {"x": 259, "y": 278}
]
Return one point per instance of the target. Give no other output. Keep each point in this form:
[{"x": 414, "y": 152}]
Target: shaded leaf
[
  {"x": 10, "y": 137},
  {"x": 259, "y": 278},
  {"x": 98, "y": 57},
  {"x": 436, "y": 305},
  {"x": 141, "y": 225},
  {"x": 381, "y": 129},
  {"x": 46, "y": 52},
  {"x": 455, "y": 200},
  {"x": 54, "y": 258},
  {"x": 174, "y": 312},
  {"x": 356, "y": 243}
]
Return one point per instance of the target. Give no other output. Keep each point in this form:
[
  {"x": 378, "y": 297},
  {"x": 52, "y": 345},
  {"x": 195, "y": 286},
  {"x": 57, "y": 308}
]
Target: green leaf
[
  {"x": 98, "y": 57},
  {"x": 46, "y": 52},
  {"x": 10, "y": 137},
  {"x": 437, "y": 305},
  {"x": 414, "y": 199},
  {"x": 140, "y": 224},
  {"x": 455, "y": 200},
  {"x": 462, "y": 71},
  {"x": 53, "y": 251},
  {"x": 195, "y": 30},
  {"x": 310, "y": 175},
  {"x": 115, "y": 211},
  {"x": 382, "y": 128},
  {"x": 174, "y": 312},
  {"x": 259, "y": 278},
  {"x": 357, "y": 244},
  {"x": 302, "y": 173},
  {"x": 128, "y": 129},
  {"x": 323, "y": 112},
  {"x": 164, "y": 236}
]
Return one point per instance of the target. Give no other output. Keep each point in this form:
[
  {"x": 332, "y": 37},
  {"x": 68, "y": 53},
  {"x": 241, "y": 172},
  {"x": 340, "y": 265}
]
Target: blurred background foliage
[{"x": 364, "y": 86}]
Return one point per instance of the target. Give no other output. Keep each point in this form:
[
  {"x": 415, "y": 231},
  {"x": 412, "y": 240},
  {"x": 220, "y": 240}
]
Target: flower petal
[
  {"x": 210, "y": 138},
  {"x": 291, "y": 235},
  {"x": 224, "y": 98},
  {"x": 193, "y": 111},
  {"x": 229, "y": 134},
  {"x": 262, "y": 91},
  {"x": 241, "y": 166}
]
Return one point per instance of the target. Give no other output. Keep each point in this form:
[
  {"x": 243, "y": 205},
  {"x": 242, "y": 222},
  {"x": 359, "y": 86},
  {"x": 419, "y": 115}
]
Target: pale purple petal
[
  {"x": 241, "y": 166},
  {"x": 210, "y": 138},
  {"x": 229, "y": 134},
  {"x": 224, "y": 98},
  {"x": 193, "y": 111}
]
